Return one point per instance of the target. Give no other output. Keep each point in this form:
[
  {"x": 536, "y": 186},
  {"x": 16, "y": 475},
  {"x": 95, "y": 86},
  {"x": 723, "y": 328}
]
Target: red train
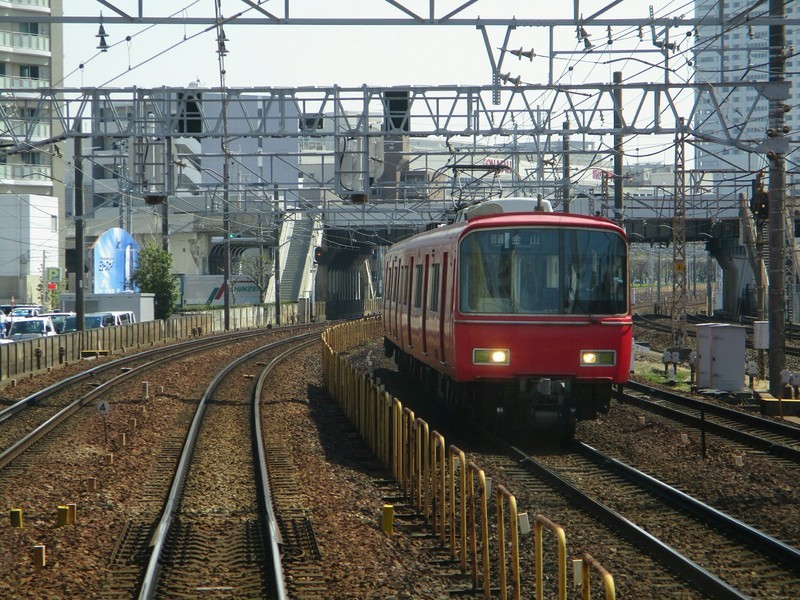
[{"x": 515, "y": 315}]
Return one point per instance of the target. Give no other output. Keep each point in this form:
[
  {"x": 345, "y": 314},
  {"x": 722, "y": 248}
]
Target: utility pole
[
  {"x": 679, "y": 293},
  {"x": 565, "y": 172},
  {"x": 777, "y": 196},
  {"x": 79, "y": 241},
  {"x": 165, "y": 203},
  {"x": 277, "y": 276},
  {"x": 618, "y": 152},
  {"x": 226, "y": 221}
]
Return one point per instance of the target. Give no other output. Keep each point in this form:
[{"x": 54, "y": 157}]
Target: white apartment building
[
  {"x": 31, "y": 192},
  {"x": 734, "y": 53}
]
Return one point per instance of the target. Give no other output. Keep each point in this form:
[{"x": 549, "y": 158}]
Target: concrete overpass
[{"x": 355, "y": 234}]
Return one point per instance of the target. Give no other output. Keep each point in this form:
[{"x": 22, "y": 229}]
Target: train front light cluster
[
  {"x": 598, "y": 358},
  {"x": 491, "y": 356}
]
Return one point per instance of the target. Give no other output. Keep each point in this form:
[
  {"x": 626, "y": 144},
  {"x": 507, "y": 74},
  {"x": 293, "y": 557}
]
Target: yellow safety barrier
[
  {"x": 397, "y": 442},
  {"x": 542, "y": 522},
  {"x": 407, "y": 442},
  {"x": 503, "y": 493},
  {"x": 363, "y": 404},
  {"x": 386, "y": 419},
  {"x": 416, "y": 458},
  {"x": 457, "y": 456},
  {"x": 370, "y": 407},
  {"x": 476, "y": 472},
  {"x": 422, "y": 457},
  {"x": 588, "y": 564},
  {"x": 438, "y": 477}
]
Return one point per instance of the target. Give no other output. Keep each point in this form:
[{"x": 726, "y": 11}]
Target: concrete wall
[{"x": 142, "y": 305}]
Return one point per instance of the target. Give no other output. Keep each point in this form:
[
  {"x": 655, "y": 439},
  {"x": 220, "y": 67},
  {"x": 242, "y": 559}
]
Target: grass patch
[{"x": 652, "y": 373}]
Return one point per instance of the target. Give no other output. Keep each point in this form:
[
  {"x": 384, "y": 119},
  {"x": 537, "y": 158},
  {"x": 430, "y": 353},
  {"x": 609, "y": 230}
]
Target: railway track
[
  {"x": 217, "y": 532},
  {"x": 647, "y": 322},
  {"x": 682, "y": 547},
  {"x": 752, "y": 432},
  {"x": 25, "y": 421},
  {"x": 720, "y": 556},
  {"x": 54, "y": 419}
]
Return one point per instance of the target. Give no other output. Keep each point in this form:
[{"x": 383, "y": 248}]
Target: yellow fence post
[
  {"x": 542, "y": 522},
  {"x": 513, "y": 526},
  {"x": 438, "y": 478},
  {"x": 373, "y": 415},
  {"x": 408, "y": 451},
  {"x": 458, "y": 463},
  {"x": 397, "y": 441},
  {"x": 388, "y": 430},
  {"x": 477, "y": 472},
  {"x": 587, "y": 564},
  {"x": 422, "y": 460}
]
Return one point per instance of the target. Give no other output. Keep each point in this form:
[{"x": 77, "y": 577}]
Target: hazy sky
[{"x": 288, "y": 56}]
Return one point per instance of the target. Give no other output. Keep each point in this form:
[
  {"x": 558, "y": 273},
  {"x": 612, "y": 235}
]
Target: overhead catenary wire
[{"x": 585, "y": 58}]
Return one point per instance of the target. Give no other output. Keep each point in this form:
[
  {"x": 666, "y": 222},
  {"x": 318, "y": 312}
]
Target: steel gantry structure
[{"x": 592, "y": 109}]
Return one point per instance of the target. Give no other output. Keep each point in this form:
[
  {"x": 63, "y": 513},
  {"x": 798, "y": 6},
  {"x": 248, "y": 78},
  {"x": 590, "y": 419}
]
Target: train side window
[
  {"x": 418, "y": 286},
  {"x": 434, "y": 284},
  {"x": 404, "y": 299},
  {"x": 387, "y": 293},
  {"x": 397, "y": 283}
]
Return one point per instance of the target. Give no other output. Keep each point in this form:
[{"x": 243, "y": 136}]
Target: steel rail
[
  {"x": 16, "y": 449},
  {"x": 159, "y": 539},
  {"x": 781, "y": 552},
  {"x": 694, "y": 573},
  {"x": 783, "y": 450},
  {"x": 262, "y": 477},
  {"x": 208, "y": 341}
]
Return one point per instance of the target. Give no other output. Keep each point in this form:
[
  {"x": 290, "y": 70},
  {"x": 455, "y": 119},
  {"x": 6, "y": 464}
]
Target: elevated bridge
[{"x": 355, "y": 234}]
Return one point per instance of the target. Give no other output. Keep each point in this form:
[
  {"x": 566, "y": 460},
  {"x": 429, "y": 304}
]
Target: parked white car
[
  {"x": 34, "y": 327},
  {"x": 58, "y": 318},
  {"x": 23, "y": 312}
]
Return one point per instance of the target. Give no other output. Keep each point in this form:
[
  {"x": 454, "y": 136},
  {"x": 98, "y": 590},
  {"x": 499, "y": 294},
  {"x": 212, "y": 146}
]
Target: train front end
[{"x": 542, "y": 329}]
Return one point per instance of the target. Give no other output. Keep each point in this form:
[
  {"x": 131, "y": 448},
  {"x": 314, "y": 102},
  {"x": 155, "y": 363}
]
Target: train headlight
[
  {"x": 598, "y": 358},
  {"x": 491, "y": 356}
]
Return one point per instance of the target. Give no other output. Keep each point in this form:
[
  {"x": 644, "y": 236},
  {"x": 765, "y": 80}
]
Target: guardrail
[
  {"x": 451, "y": 493},
  {"x": 26, "y": 357}
]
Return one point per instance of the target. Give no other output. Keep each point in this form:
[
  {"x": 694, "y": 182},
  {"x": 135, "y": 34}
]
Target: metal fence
[{"x": 26, "y": 357}]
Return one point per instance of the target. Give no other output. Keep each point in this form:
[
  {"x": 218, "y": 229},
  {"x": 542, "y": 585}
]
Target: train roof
[
  {"x": 547, "y": 219},
  {"x": 456, "y": 230},
  {"x": 504, "y": 206}
]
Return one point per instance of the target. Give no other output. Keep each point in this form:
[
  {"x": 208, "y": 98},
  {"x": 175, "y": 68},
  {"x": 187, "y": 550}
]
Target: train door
[
  {"x": 442, "y": 307},
  {"x": 387, "y": 289},
  {"x": 424, "y": 303},
  {"x": 408, "y": 273},
  {"x": 416, "y": 311},
  {"x": 396, "y": 301}
]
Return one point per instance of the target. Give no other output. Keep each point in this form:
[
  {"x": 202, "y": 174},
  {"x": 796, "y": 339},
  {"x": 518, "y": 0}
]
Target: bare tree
[{"x": 257, "y": 267}]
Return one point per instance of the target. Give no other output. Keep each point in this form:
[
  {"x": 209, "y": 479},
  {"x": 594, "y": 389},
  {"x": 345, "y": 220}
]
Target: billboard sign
[
  {"x": 114, "y": 258},
  {"x": 210, "y": 290}
]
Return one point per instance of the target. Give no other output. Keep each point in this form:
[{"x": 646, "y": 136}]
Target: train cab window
[
  {"x": 433, "y": 305},
  {"x": 543, "y": 271},
  {"x": 418, "y": 286}
]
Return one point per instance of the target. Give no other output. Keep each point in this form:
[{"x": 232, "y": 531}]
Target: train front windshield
[{"x": 544, "y": 271}]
